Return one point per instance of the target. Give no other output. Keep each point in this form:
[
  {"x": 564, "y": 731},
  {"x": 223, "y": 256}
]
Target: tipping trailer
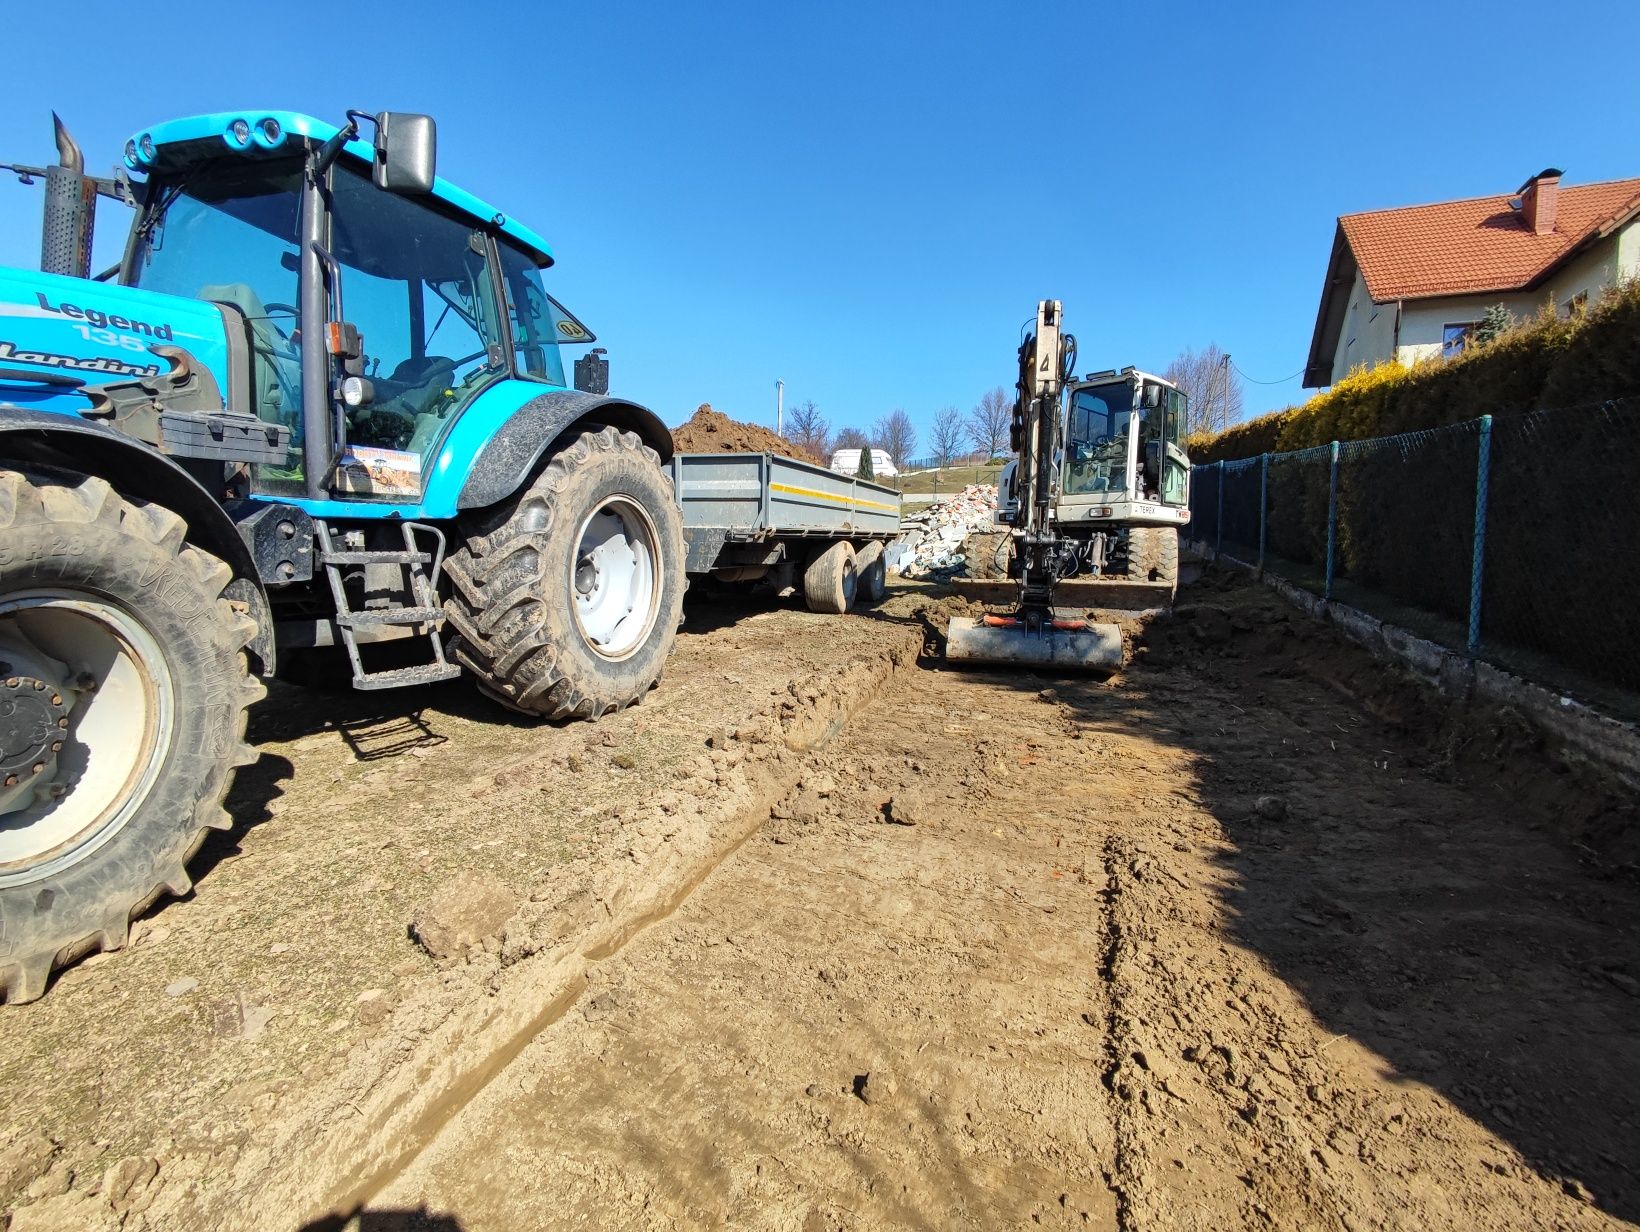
[{"x": 751, "y": 517}]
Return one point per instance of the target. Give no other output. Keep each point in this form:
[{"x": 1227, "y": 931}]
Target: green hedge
[{"x": 1592, "y": 356}]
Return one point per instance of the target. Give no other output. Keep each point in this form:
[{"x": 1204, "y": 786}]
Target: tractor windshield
[
  {"x": 1096, "y": 439},
  {"x": 228, "y": 234}
]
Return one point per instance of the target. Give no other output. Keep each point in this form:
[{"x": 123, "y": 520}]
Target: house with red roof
[{"x": 1411, "y": 283}]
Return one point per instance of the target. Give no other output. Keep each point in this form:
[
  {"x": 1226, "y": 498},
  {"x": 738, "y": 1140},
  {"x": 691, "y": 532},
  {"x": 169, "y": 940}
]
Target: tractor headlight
[
  {"x": 131, "y": 155},
  {"x": 239, "y": 133},
  {"x": 357, "y": 391},
  {"x": 268, "y": 132},
  {"x": 146, "y": 147}
]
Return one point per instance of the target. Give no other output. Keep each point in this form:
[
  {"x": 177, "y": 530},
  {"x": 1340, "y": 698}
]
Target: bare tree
[
  {"x": 807, "y": 428},
  {"x": 851, "y": 438},
  {"x": 988, "y": 422},
  {"x": 947, "y": 434},
  {"x": 1211, "y": 384},
  {"x": 895, "y": 434}
]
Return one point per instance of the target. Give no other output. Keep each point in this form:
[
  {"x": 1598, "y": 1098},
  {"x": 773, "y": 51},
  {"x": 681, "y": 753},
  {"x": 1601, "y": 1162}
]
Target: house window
[
  {"x": 1576, "y": 304},
  {"x": 1455, "y": 337}
]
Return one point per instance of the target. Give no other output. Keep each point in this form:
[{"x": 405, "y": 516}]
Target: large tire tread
[
  {"x": 88, "y": 906},
  {"x": 509, "y": 630}
]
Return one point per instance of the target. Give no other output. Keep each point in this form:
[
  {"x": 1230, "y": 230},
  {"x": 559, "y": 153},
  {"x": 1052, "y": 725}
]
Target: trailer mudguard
[
  {"x": 45, "y": 438},
  {"x": 513, "y": 452}
]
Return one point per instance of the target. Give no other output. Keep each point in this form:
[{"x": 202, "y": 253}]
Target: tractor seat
[
  {"x": 416, "y": 382},
  {"x": 276, "y": 350}
]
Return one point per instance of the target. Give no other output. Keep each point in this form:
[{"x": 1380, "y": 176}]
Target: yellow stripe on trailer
[{"x": 829, "y": 496}]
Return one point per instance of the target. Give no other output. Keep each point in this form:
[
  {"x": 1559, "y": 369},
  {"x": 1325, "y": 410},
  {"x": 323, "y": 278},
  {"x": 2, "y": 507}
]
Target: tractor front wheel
[
  {"x": 565, "y": 602},
  {"x": 123, "y": 692}
]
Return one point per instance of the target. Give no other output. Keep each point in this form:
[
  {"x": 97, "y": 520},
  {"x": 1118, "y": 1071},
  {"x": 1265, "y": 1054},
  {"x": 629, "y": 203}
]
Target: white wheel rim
[
  {"x": 110, "y": 679},
  {"x": 614, "y": 578}
]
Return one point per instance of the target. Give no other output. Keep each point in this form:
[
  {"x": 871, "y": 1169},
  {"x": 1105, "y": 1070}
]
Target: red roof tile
[{"x": 1466, "y": 247}]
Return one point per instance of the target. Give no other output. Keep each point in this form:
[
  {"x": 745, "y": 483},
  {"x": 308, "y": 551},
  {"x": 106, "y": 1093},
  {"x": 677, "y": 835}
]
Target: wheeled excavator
[{"x": 1093, "y": 501}]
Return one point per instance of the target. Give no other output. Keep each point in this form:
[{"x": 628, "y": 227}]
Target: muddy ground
[
  {"x": 277, "y": 1038},
  {"x": 1243, "y": 938},
  {"x": 1250, "y": 935}
]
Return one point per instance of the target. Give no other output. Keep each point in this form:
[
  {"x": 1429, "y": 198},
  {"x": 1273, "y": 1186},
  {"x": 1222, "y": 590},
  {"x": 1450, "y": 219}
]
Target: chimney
[{"x": 1538, "y": 199}]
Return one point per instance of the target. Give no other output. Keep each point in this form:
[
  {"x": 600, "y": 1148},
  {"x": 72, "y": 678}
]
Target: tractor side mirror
[
  {"x": 1152, "y": 396},
  {"x": 406, "y": 152}
]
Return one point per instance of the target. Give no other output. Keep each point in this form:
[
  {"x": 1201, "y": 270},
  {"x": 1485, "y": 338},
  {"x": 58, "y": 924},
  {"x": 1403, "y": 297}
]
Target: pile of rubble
[{"x": 932, "y": 540}]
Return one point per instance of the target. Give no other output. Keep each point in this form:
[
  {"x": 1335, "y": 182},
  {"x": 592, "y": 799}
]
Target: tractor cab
[{"x": 373, "y": 306}]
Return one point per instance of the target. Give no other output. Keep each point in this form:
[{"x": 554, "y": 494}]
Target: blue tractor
[{"x": 319, "y": 407}]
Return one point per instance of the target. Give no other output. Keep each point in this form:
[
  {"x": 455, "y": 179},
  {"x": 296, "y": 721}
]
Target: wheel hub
[{"x": 33, "y": 716}]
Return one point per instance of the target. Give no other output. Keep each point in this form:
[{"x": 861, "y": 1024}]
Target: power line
[{"x": 1254, "y": 381}]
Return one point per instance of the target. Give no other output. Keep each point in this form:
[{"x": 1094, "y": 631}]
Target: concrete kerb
[
  {"x": 329, "y": 1161},
  {"x": 1607, "y": 746}
]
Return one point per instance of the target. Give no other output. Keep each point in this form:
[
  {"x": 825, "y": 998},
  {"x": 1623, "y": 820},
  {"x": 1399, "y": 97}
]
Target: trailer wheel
[
  {"x": 565, "y": 601},
  {"x": 1153, "y": 555},
  {"x": 830, "y": 581},
  {"x": 873, "y": 573},
  {"x": 123, "y": 692}
]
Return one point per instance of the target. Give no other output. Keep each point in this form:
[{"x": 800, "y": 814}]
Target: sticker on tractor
[{"x": 365, "y": 470}]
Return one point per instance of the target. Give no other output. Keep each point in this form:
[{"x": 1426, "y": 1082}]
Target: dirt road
[{"x": 1240, "y": 939}]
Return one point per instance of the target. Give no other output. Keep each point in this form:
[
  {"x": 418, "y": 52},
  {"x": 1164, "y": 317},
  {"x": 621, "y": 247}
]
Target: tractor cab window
[
  {"x": 417, "y": 285},
  {"x": 540, "y": 324},
  {"x": 228, "y": 234},
  {"x": 1163, "y": 471},
  {"x": 1096, "y": 440}
]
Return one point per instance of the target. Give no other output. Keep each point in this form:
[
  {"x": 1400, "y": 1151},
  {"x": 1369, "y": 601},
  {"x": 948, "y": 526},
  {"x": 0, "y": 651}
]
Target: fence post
[
  {"x": 1218, "y": 518},
  {"x": 1332, "y": 521},
  {"x": 1483, "y": 472},
  {"x": 1263, "y": 505}
]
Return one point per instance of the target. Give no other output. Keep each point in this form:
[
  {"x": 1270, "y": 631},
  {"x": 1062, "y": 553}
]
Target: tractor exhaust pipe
[{"x": 71, "y": 210}]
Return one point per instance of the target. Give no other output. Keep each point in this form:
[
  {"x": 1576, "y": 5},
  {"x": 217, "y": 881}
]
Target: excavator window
[{"x": 1096, "y": 439}]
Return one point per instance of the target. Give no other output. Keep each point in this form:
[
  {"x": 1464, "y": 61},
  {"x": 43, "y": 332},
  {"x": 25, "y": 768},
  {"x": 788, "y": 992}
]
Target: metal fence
[{"x": 1509, "y": 536}]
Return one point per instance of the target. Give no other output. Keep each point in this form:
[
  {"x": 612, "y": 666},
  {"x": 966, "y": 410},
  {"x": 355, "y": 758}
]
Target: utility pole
[{"x": 779, "y": 408}]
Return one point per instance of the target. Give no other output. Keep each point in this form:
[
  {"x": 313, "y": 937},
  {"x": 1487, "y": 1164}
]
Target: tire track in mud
[
  {"x": 1123, "y": 1175},
  {"x": 883, "y": 1011}
]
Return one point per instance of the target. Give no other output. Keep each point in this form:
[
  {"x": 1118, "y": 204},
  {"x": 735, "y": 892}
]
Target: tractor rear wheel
[
  {"x": 1153, "y": 555},
  {"x": 123, "y": 692},
  {"x": 565, "y": 602}
]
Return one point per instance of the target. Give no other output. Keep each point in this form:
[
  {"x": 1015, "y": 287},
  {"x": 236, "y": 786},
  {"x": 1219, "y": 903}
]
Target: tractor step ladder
[{"x": 422, "y": 612}]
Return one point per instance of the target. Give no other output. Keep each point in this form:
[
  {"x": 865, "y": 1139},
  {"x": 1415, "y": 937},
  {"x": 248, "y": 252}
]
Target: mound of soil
[{"x": 710, "y": 431}]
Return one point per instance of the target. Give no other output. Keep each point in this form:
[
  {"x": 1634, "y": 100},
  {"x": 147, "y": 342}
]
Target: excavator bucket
[{"x": 1006, "y": 642}]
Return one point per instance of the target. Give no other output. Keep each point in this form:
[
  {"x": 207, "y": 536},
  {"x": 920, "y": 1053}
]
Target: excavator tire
[
  {"x": 1153, "y": 555},
  {"x": 831, "y": 582},
  {"x": 117, "y": 634},
  {"x": 565, "y": 601}
]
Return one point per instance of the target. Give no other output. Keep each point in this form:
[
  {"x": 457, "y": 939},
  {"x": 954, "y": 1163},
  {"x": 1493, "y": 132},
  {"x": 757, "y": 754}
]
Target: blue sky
[{"x": 867, "y": 200}]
